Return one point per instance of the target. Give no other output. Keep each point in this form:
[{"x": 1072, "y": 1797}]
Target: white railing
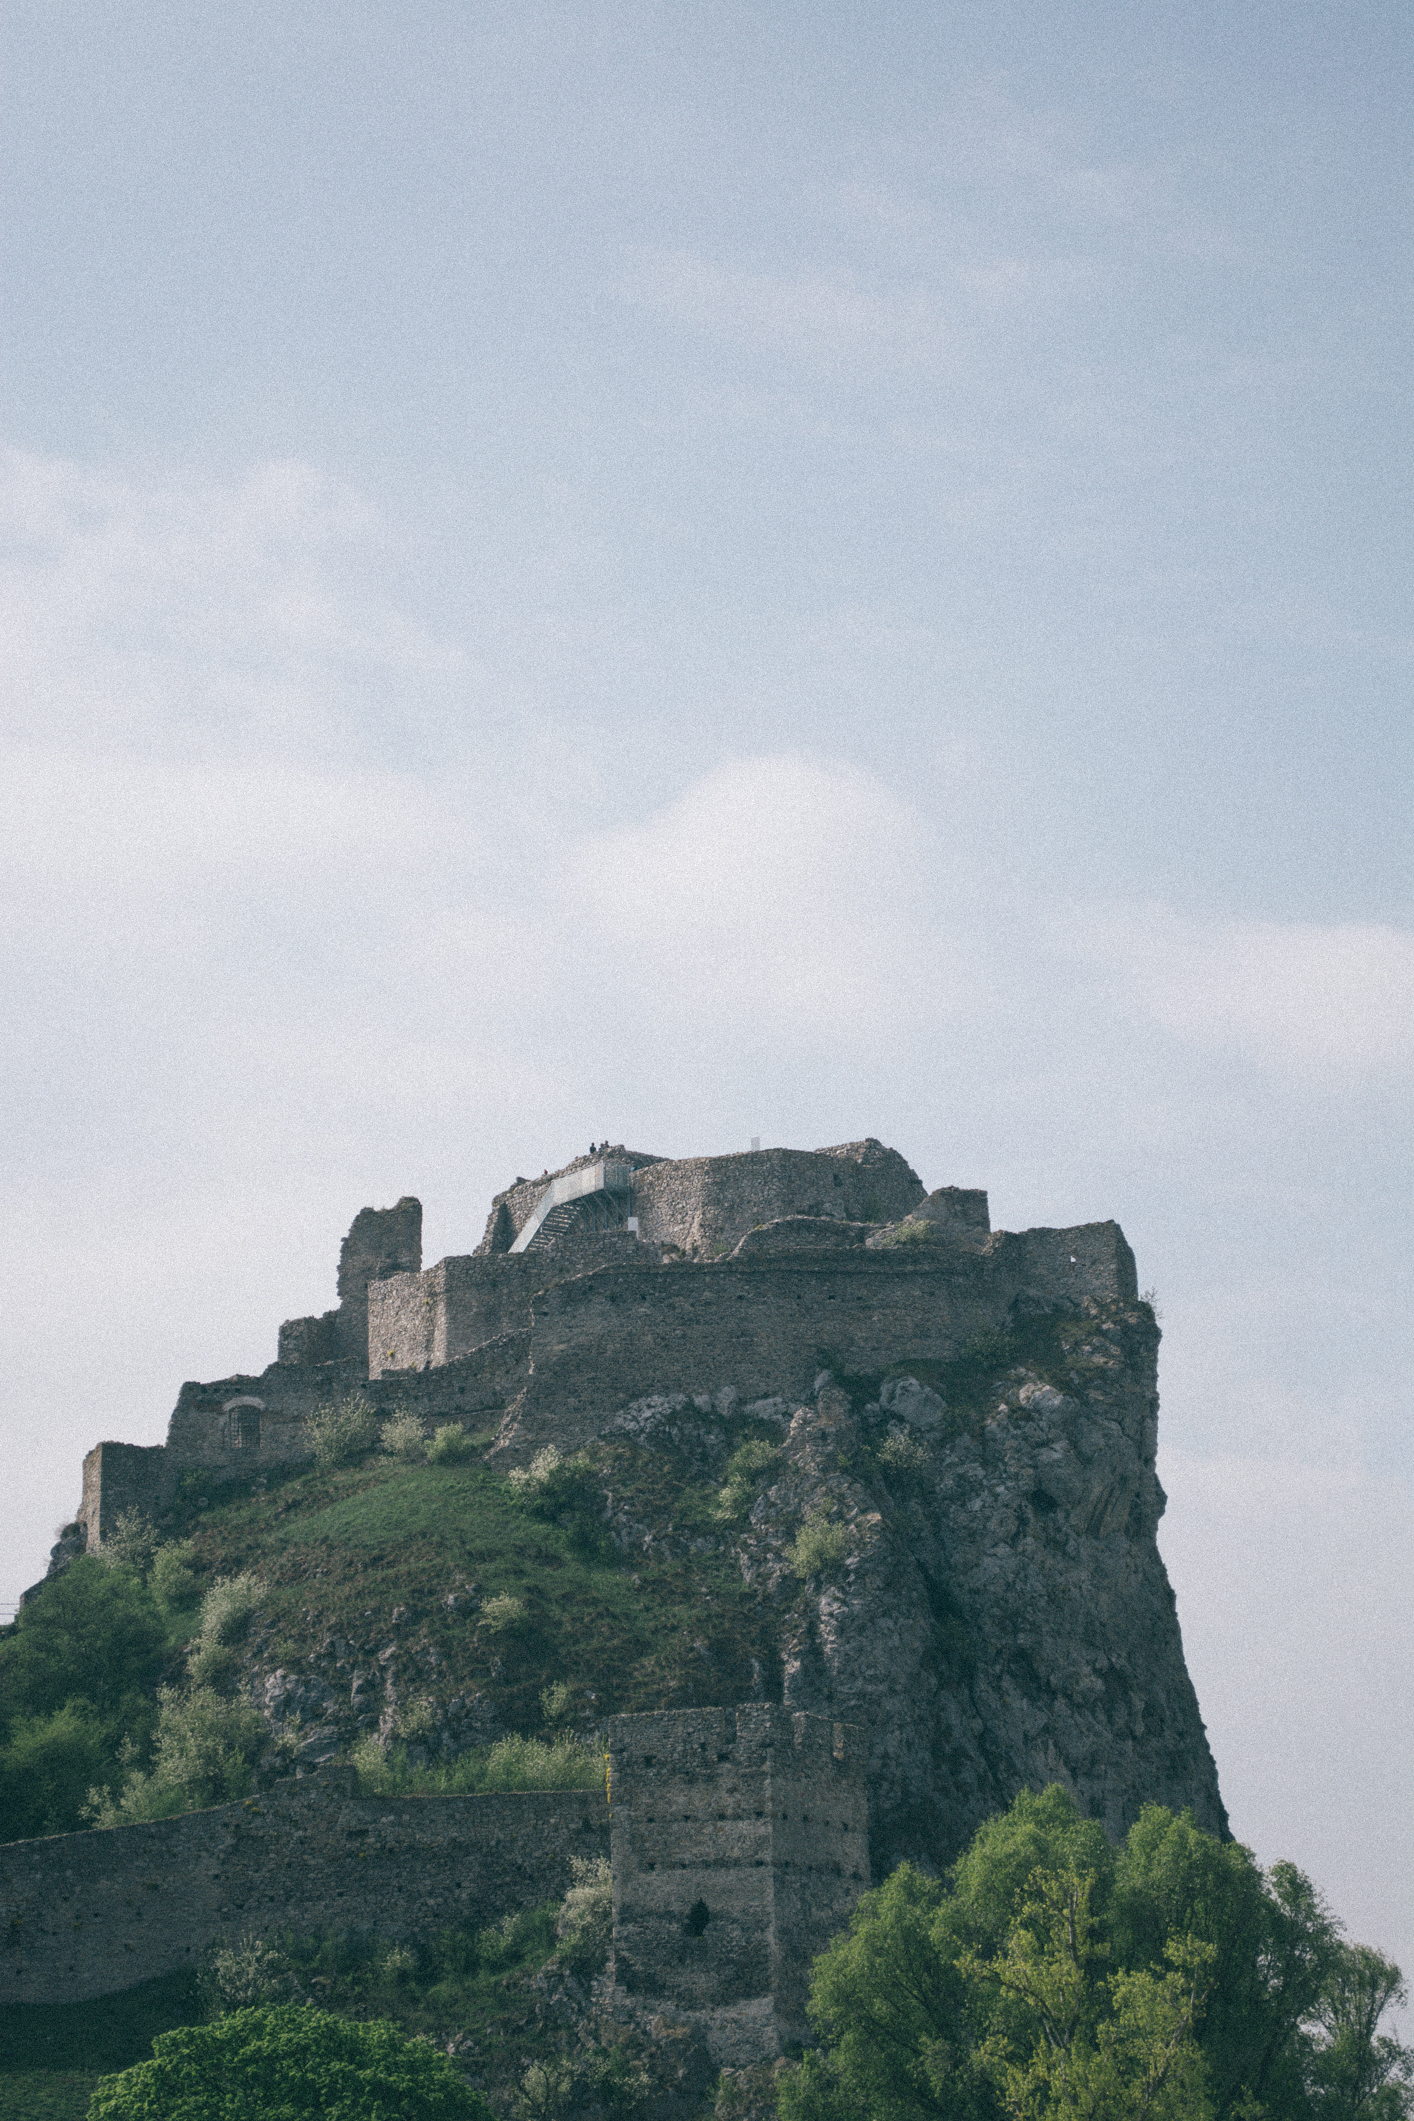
[{"x": 590, "y": 1178}]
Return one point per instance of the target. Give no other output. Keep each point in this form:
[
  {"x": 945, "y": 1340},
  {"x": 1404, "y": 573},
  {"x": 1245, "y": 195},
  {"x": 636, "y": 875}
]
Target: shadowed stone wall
[
  {"x": 766, "y": 1325},
  {"x": 87, "y": 1914}
]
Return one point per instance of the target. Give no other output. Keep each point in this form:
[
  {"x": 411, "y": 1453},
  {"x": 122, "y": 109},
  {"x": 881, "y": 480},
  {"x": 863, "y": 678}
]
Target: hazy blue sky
[{"x": 685, "y": 572}]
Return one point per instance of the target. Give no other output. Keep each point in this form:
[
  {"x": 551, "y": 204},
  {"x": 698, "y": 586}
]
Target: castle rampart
[
  {"x": 87, "y": 1914},
  {"x": 766, "y": 1326},
  {"x": 748, "y": 1272}
]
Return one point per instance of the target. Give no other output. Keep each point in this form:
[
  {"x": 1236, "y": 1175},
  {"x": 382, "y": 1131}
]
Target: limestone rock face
[{"x": 1001, "y": 1617}]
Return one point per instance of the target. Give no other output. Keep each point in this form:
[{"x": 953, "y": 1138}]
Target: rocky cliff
[{"x": 959, "y": 1557}]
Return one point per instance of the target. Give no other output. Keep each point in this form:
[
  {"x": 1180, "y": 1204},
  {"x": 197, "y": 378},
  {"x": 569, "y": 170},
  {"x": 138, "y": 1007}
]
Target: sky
[{"x": 684, "y": 573}]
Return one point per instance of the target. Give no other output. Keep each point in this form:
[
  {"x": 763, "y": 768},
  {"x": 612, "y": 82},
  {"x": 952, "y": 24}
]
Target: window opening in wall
[{"x": 241, "y": 1429}]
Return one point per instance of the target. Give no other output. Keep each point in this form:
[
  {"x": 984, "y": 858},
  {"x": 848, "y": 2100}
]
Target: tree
[
  {"x": 1081, "y": 2045},
  {"x": 1053, "y": 1978},
  {"x": 93, "y": 1634},
  {"x": 76, "y": 1680},
  {"x": 203, "y": 1754},
  {"x": 1356, "y": 2071},
  {"x": 283, "y": 2061},
  {"x": 47, "y": 1769}
]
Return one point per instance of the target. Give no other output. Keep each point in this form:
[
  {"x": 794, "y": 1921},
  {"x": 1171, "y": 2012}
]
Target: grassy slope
[{"x": 342, "y": 1551}]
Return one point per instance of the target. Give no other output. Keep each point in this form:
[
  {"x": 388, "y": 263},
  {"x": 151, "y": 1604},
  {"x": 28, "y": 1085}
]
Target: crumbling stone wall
[
  {"x": 381, "y": 1241},
  {"x": 87, "y": 1914},
  {"x": 416, "y": 1321},
  {"x": 706, "y": 1204},
  {"x": 740, "y": 1844},
  {"x": 119, "y": 1477}
]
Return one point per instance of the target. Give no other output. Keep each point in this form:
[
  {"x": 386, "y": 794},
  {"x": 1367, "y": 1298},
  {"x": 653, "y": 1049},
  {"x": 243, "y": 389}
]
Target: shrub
[
  {"x": 244, "y": 1973},
  {"x": 213, "y": 1664},
  {"x": 555, "y": 1701},
  {"x": 821, "y": 1544},
  {"x": 286, "y": 2059},
  {"x": 902, "y": 1453},
  {"x": 908, "y": 1232},
  {"x": 403, "y": 1435},
  {"x": 530, "y": 1480},
  {"x": 131, "y": 1544},
  {"x": 585, "y": 1924},
  {"x": 744, "y": 1470},
  {"x": 228, "y": 1605},
  {"x": 566, "y": 1492},
  {"x": 174, "y": 1580},
  {"x": 450, "y": 1444},
  {"x": 47, "y": 1767},
  {"x": 418, "y": 1719},
  {"x": 502, "y": 1613},
  {"x": 512, "y": 1763},
  {"x": 93, "y": 1633},
  {"x": 343, "y": 1431},
  {"x": 507, "y": 1941},
  {"x": 202, "y": 1755}
]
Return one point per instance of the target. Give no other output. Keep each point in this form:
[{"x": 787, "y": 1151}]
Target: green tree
[
  {"x": 1275, "y": 1946},
  {"x": 1356, "y": 2072},
  {"x": 898, "y": 2017},
  {"x": 93, "y": 1634},
  {"x": 47, "y": 1767},
  {"x": 1053, "y": 1978},
  {"x": 203, "y": 1754},
  {"x": 76, "y": 1680},
  {"x": 282, "y": 2061},
  {"x": 1081, "y": 2045}
]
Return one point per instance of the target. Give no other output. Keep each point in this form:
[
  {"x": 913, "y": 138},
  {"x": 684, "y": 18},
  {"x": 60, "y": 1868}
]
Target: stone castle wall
[
  {"x": 87, "y": 1914},
  {"x": 417, "y": 1321},
  {"x": 767, "y": 1326},
  {"x": 740, "y": 1844},
  {"x": 706, "y": 1204}
]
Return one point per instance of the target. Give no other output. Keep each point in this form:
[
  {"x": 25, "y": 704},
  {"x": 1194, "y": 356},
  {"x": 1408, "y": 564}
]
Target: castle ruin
[{"x": 1010, "y": 1625}]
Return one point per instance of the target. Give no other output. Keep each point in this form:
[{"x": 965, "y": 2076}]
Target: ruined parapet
[
  {"x": 1061, "y": 1268},
  {"x": 88, "y": 1914},
  {"x": 958, "y": 1211},
  {"x": 739, "y": 1844},
  {"x": 119, "y": 1477},
  {"x": 705, "y": 1205},
  {"x": 420, "y": 1321},
  {"x": 381, "y": 1241}
]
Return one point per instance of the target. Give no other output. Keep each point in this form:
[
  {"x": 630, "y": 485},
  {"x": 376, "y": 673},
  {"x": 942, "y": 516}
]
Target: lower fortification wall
[{"x": 84, "y": 1915}]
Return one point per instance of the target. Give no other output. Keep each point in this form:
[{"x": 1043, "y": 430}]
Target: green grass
[{"x": 340, "y": 1550}]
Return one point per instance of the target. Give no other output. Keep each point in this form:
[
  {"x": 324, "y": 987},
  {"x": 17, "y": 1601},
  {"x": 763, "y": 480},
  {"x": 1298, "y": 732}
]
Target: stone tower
[{"x": 740, "y": 1844}]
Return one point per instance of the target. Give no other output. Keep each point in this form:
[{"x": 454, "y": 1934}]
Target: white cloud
[
  {"x": 138, "y": 611},
  {"x": 1325, "y": 1000},
  {"x": 797, "y": 893},
  {"x": 791, "y": 311}
]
